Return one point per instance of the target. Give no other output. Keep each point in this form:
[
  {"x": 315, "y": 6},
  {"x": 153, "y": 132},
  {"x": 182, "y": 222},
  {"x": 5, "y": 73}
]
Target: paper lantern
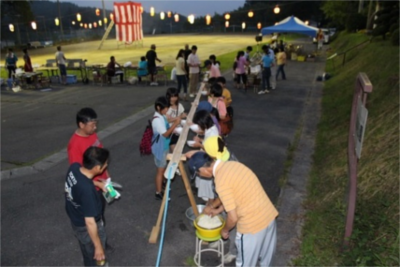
[
  {"x": 100, "y": 23},
  {"x": 208, "y": 19},
  {"x": 306, "y": 22},
  {"x": 57, "y": 21},
  {"x": 33, "y": 24},
  {"x": 105, "y": 20},
  {"x": 90, "y": 25},
  {"x": 176, "y": 17},
  {"x": 11, "y": 27},
  {"x": 169, "y": 14},
  {"x": 227, "y": 16},
  {"x": 162, "y": 15},
  {"x": 141, "y": 9},
  {"x": 81, "y": 24},
  {"x": 85, "y": 25},
  {"x": 73, "y": 22},
  {"x": 191, "y": 19},
  {"x": 78, "y": 17},
  {"x": 277, "y": 10},
  {"x": 226, "y": 24},
  {"x": 259, "y": 25},
  {"x": 95, "y": 24},
  {"x": 250, "y": 14},
  {"x": 244, "y": 25},
  {"x": 112, "y": 16},
  {"x": 152, "y": 11},
  {"x": 97, "y": 12}
]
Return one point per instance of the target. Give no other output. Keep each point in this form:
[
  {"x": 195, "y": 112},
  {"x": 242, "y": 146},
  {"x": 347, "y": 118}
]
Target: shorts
[
  {"x": 174, "y": 139},
  {"x": 63, "y": 70},
  {"x": 152, "y": 69},
  {"x": 163, "y": 162}
]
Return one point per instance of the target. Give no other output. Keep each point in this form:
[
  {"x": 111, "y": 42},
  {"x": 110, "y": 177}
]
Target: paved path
[{"x": 35, "y": 227}]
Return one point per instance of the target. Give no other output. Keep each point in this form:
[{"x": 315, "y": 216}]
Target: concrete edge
[
  {"x": 57, "y": 157},
  {"x": 293, "y": 194}
]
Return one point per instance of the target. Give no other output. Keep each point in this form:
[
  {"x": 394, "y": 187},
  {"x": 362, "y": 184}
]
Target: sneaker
[
  {"x": 160, "y": 196},
  {"x": 262, "y": 92},
  {"x": 178, "y": 172},
  {"x": 273, "y": 88},
  {"x": 267, "y": 91},
  {"x": 214, "y": 245},
  {"x": 229, "y": 257},
  {"x": 191, "y": 95}
]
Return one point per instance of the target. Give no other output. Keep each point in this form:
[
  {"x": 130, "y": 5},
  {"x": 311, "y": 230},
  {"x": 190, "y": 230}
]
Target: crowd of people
[{"x": 222, "y": 182}]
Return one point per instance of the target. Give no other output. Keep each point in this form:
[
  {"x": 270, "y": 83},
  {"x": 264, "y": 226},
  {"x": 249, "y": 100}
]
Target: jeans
[
  {"x": 86, "y": 244},
  {"x": 281, "y": 69},
  {"x": 11, "y": 71},
  {"x": 182, "y": 81},
  {"x": 266, "y": 74}
]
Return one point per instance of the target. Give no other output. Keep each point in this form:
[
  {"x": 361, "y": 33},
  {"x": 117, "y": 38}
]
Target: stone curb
[{"x": 58, "y": 157}]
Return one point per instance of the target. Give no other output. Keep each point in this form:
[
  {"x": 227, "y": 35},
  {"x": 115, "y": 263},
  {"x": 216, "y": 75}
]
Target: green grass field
[
  {"x": 375, "y": 239},
  {"x": 224, "y": 47}
]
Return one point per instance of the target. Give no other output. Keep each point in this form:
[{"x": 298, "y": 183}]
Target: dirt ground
[{"x": 167, "y": 48}]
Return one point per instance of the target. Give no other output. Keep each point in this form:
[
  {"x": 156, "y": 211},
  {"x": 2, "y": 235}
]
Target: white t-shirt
[
  {"x": 158, "y": 124},
  {"x": 193, "y": 59},
  {"x": 60, "y": 58},
  {"x": 173, "y": 113},
  {"x": 213, "y": 131}
]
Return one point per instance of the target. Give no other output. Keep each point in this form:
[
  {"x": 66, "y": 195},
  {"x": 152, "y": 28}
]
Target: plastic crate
[{"x": 71, "y": 79}]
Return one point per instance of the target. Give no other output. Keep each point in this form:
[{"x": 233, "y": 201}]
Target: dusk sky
[{"x": 184, "y": 7}]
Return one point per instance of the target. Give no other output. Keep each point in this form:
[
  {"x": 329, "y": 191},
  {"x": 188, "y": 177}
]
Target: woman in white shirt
[{"x": 181, "y": 73}]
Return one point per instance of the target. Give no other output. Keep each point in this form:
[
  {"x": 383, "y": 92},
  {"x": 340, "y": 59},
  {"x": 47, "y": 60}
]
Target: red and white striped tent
[{"x": 128, "y": 21}]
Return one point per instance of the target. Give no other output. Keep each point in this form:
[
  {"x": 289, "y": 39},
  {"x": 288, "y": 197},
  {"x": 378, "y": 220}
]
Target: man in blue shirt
[
  {"x": 267, "y": 62},
  {"x": 83, "y": 205}
]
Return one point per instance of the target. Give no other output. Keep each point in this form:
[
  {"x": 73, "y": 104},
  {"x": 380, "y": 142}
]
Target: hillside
[{"x": 375, "y": 240}]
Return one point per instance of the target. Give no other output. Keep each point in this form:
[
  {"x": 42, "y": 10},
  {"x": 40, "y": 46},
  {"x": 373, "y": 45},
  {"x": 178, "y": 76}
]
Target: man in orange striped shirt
[{"x": 248, "y": 208}]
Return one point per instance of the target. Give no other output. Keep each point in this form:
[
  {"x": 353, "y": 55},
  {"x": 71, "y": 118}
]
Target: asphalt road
[{"x": 35, "y": 228}]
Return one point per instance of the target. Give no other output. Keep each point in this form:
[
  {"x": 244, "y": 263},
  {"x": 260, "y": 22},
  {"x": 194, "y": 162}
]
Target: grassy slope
[{"x": 375, "y": 239}]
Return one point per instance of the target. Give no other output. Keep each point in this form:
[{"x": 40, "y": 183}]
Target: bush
[
  {"x": 356, "y": 22},
  {"x": 393, "y": 28},
  {"x": 395, "y": 38}
]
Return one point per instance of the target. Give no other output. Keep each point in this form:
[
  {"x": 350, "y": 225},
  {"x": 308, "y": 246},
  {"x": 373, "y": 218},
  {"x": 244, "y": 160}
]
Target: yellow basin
[{"x": 209, "y": 233}]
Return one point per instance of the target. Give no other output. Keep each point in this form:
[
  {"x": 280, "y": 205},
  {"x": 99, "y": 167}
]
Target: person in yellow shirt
[
  {"x": 226, "y": 94},
  {"x": 281, "y": 61},
  {"x": 248, "y": 208}
]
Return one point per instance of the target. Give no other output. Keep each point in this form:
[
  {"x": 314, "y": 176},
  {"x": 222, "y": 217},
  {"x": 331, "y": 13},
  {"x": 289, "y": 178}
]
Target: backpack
[{"x": 146, "y": 143}]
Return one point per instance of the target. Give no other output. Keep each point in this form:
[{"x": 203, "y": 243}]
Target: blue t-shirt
[
  {"x": 267, "y": 61},
  {"x": 11, "y": 60},
  {"x": 142, "y": 70},
  {"x": 81, "y": 198}
]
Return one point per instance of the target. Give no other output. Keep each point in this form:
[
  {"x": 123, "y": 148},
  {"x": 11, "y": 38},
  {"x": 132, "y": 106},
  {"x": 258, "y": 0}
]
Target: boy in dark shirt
[
  {"x": 83, "y": 205},
  {"x": 151, "y": 57}
]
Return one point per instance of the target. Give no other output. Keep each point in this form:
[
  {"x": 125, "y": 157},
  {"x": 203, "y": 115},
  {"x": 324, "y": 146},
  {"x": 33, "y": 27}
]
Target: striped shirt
[{"x": 239, "y": 189}]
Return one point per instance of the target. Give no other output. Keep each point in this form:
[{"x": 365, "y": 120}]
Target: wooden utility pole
[
  {"x": 360, "y": 6},
  {"x": 104, "y": 15}
]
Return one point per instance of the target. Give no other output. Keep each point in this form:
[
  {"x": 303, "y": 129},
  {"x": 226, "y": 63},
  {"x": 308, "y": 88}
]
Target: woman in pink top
[
  {"x": 217, "y": 101},
  {"x": 240, "y": 71}
]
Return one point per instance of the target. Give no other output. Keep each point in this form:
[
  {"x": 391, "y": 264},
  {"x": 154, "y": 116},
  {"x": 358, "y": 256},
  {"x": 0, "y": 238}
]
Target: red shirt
[{"x": 77, "y": 146}]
